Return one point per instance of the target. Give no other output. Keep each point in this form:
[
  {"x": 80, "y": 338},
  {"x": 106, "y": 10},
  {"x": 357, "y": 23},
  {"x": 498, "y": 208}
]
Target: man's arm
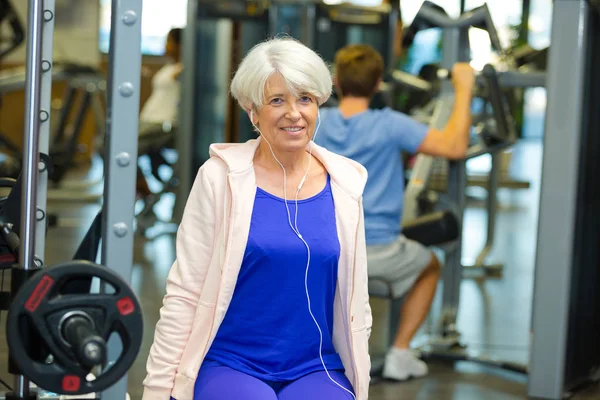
[{"x": 452, "y": 141}]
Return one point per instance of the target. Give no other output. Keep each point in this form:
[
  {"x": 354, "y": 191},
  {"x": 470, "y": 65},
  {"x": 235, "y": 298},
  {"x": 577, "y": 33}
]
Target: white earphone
[{"x": 297, "y": 232}]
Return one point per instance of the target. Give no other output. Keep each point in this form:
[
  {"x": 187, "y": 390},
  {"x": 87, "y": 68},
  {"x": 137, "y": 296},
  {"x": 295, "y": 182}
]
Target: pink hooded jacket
[{"x": 211, "y": 242}]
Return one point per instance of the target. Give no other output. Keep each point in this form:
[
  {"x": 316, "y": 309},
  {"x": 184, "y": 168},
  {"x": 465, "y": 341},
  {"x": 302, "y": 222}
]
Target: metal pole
[
  {"x": 567, "y": 66},
  {"x": 123, "y": 89},
  {"x": 31, "y": 137},
  {"x": 310, "y": 25},
  {"x": 30, "y": 150},
  {"x": 492, "y": 209},
  {"x": 524, "y": 28},
  {"x": 185, "y": 135},
  {"x": 392, "y": 27},
  {"x": 44, "y": 133}
]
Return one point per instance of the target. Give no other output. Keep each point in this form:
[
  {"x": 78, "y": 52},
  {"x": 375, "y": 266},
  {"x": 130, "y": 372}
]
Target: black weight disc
[{"x": 44, "y": 299}]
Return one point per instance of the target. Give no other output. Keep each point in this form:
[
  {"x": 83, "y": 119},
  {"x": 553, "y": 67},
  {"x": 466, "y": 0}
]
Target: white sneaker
[{"x": 402, "y": 364}]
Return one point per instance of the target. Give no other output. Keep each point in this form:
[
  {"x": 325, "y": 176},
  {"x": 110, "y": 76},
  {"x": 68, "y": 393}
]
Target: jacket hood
[{"x": 349, "y": 175}]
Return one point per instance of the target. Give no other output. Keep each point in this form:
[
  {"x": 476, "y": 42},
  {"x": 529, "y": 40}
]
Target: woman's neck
[{"x": 292, "y": 161}]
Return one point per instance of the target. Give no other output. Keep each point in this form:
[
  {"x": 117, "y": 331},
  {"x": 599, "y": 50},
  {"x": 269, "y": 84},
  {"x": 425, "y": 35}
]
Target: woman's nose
[{"x": 293, "y": 113}]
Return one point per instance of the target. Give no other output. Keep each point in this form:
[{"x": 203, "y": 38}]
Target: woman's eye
[
  {"x": 277, "y": 100},
  {"x": 306, "y": 99}
]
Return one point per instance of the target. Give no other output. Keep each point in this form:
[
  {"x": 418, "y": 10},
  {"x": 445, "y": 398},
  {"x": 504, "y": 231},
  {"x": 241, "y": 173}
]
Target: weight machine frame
[
  {"x": 445, "y": 342},
  {"x": 564, "y": 354},
  {"x": 123, "y": 97},
  {"x": 84, "y": 92}
]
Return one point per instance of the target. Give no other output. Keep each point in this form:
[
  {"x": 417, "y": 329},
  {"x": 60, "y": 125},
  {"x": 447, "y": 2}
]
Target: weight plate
[{"x": 44, "y": 299}]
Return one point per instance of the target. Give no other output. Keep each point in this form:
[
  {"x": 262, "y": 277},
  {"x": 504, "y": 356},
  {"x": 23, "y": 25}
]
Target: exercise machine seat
[
  {"x": 433, "y": 229},
  {"x": 430, "y": 229},
  {"x": 380, "y": 288}
]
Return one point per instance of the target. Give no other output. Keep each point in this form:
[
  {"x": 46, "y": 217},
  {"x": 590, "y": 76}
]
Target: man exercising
[{"x": 376, "y": 138}]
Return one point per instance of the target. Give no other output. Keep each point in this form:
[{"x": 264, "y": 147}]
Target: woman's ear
[{"x": 251, "y": 115}]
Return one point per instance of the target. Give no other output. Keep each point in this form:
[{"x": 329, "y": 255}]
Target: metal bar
[
  {"x": 524, "y": 27},
  {"x": 73, "y": 141},
  {"x": 123, "y": 89},
  {"x": 33, "y": 87},
  {"x": 481, "y": 148},
  {"x": 310, "y": 25},
  {"x": 13, "y": 79},
  {"x": 273, "y": 17},
  {"x": 410, "y": 81},
  {"x": 391, "y": 37},
  {"x": 45, "y": 125},
  {"x": 492, "y": 207},
  {"x": 185, "y": 136},
  {"x": 32, "y": 130},
  {"x": 506, "y": 79},
  {"x": 503, "y": 131},
  {"x": 65, "y": 111},
  {"x": 567, "y": 66},
  {"x": 516, "y": 79},
  {"x": 455, "y": 49}
]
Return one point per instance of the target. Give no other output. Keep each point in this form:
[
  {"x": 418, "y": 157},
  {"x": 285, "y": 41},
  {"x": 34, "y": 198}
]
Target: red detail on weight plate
[
  {"x": 8, "y": 258},
  {"x": 125, "y": 306},
  {"x": 38, "y": 294},
  {"x": 71, "y": 383}
]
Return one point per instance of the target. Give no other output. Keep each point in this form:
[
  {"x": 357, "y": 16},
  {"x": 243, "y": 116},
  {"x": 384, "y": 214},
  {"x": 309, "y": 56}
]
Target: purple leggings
[{"x": 224, "y": 383}]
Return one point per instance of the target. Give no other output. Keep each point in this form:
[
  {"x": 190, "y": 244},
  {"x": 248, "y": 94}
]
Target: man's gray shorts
[{"x": 399, "y": 263}]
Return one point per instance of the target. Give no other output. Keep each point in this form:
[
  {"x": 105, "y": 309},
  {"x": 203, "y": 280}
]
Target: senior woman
[{"x": 267, "y": 298}]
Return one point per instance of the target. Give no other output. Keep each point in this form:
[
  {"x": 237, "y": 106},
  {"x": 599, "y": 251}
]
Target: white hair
[{"x": 301, "y": 68}]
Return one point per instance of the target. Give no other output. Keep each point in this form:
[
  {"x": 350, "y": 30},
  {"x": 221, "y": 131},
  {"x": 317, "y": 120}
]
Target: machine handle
[
  {"x": 426, "y": 18},
  {"x": 489, "y": 79},
  {"x": 480, "y": 17},
  {"x": 431, "y": 15},
  {"x": 495, "y": 96}
]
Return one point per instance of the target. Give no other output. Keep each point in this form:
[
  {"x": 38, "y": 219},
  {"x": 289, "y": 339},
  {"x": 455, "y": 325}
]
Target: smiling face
[{"x": 287, "y": 122}]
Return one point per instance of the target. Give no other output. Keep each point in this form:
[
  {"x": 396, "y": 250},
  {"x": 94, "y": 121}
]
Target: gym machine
[
  {"x": 85, "y": 88},
  {"x": 9, "y": 21},
  {"x": 565, "y": 325},
  {"x": 74, "y": 328},
  {"x": 437, "y": 111},
  {"x": 339, "y": 25},
  {"x": 84, "y": 92},
  {"x": 494, "y": 132},
  {"x": 17, "y": 32}
]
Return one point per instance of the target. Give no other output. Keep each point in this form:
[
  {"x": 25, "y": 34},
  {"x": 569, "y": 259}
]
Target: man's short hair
[{"x": 359, "y": 67}]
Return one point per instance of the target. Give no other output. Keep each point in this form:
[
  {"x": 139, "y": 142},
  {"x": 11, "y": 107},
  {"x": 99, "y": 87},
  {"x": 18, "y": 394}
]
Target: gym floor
[{"x": 494, "y": 315}]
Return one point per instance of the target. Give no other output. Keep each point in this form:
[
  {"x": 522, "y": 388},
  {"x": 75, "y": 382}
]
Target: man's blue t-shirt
[{"x": 375, "y": 139}]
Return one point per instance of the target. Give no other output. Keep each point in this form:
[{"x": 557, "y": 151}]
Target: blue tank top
[{"x": 268, "y": 331}]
